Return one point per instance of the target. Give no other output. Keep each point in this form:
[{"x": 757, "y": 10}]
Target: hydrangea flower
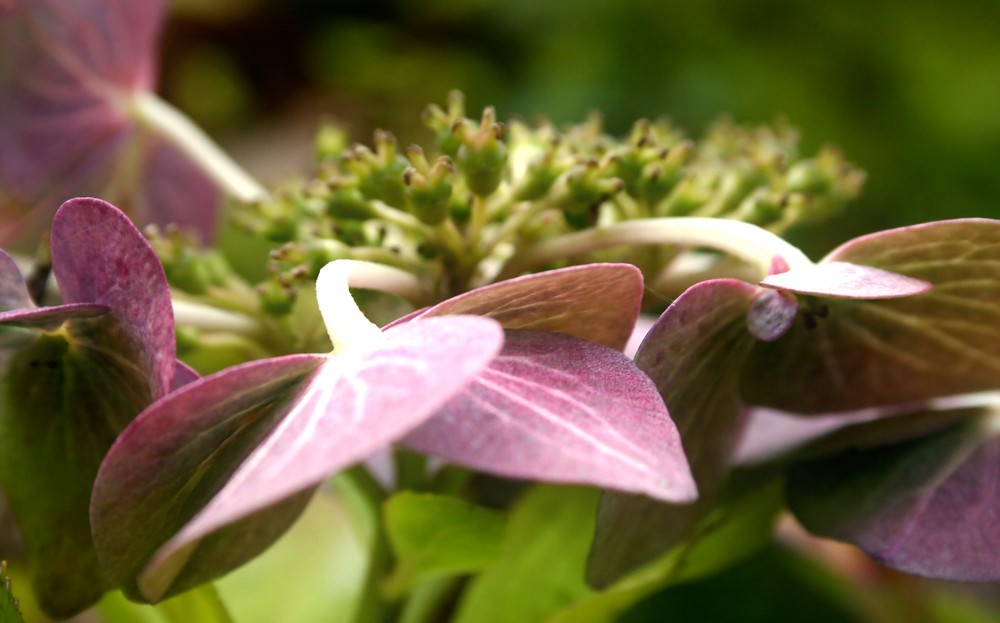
[
  {"x": 220, "y": 468},
  {"x": 889, "y": 323}
]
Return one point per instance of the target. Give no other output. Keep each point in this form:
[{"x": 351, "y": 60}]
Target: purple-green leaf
[
  {"x": 51, "y": 317},
  {"x": 835, "y": 279},
  {"x": 66, "y": 392},
  {"x": 926, "y": 506},
  {"x": 178, "y": 453},
  {"x": 67, "y": 76},
  {"x": 694, "y": 353},
  {"x": 851, "y": 354},
  {"x": 556, "y": 408},
  {"x": 235, "y": 444},
  {"x": 595, "y": 302}
]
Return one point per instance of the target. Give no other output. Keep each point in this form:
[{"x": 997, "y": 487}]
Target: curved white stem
[
  {"x": 211, "y": 318},
  {"x": 346, "y": 324},
  {"x": 748, "y": 242},
  {"x": 156, "y": 114}
]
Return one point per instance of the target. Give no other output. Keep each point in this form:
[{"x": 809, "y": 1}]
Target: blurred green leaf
[
  {"x": 739, "y": 524},
  {"x": 434, "y": 536},
  {"x": 9, "y": 612},
  {"x": 313, "y": 574},
  {"x": 541, "y": 570},
  {"x": 774, "y": 585}
]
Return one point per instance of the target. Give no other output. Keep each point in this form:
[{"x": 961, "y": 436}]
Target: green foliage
[
  {"x": 435, "y": 536},
  {"x": 541, "y": 571},
  {"x": 9, "y": 611}
]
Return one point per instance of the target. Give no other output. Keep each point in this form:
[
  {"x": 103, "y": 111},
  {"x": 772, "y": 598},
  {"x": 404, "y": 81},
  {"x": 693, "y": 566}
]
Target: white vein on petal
[{"x": 563, "y": 423}]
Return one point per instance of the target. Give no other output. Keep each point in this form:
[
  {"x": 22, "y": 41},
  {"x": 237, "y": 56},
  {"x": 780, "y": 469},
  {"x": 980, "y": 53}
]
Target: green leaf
[
  {"x": 864, "y": 353},
  {"x": 541, "y": 571},
  {"x": 64, "y": 396},
  {"x": 313, "y": 574},
  {"x": 739, "y": 524},
  {"x": 774, "y": 585},
  {"x": 201, "y": 604},
  {"x": 435, "y": 536},
  {"x": 9, "y": 612}
]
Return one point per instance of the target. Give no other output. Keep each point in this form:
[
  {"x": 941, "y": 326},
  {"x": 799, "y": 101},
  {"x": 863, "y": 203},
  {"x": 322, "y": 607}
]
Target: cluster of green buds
[{"x": 455, "y": 215}]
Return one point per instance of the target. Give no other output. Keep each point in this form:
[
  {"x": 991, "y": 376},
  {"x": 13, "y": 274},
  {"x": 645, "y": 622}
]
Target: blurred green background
[{"x": 908, "y": 89}]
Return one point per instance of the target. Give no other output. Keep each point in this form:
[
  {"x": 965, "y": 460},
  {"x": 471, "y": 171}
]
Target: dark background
[{"x": 908, "y": 89}]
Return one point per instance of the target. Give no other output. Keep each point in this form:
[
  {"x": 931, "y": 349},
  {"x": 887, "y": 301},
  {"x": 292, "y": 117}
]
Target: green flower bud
[
  {"x": 379, "y": 174},
  {"x": 320, "y": 252},
  {"x": 346, "y": 201},
  {"x": 330, "y": 142},
  {"x": 196, "y": 271},
  {"x": 443, "y": 123},
  {"x": 586, "y": 187},
  {"x": 538, "y": 179},
  {"x": 807, "y": 177},
  {"x": 482, "y": 157},
  {"x": 428, "y": 187},
  {"x": 276, "y": 299}
]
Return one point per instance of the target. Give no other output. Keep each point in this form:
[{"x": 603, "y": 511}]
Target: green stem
[
  {"x": 429, "y": 601},
  {"x": 366, "y": 497},
  {"x": 511, "y": 225},
  {"x": 451, "y": 238},
  {"x": 411, "y": 470},
  {"x": 477, "y": 220},
  {"x": 198, "y": 604},
  {"x": 405, "y": 221},
  {"x": 745, "y": 241},
  {"x": 159, "y": 116}
]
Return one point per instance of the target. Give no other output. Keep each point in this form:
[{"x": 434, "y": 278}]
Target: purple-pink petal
[
  {"x": 69, "y": 71},
  {"x": 556, "y": 408},
  {"x": 13, "y": 290},
  {"x": 99, "y": 257},
  {"x": 51, "y": 317},
  {"x": 927, "y": 506},
  {"x": 255, "y": 446},
  {"x": 846, "y": 280},
  {"x": 595, "y": 302}
]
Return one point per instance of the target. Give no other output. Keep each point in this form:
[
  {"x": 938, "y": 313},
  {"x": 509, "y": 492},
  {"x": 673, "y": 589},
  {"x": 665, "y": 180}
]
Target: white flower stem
[
  {"x": 159, "y": 116},
  {"x": 197, "y": 315},
  {"x": 348, "y": 327},
  {"x": 747, "y": 242}
]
